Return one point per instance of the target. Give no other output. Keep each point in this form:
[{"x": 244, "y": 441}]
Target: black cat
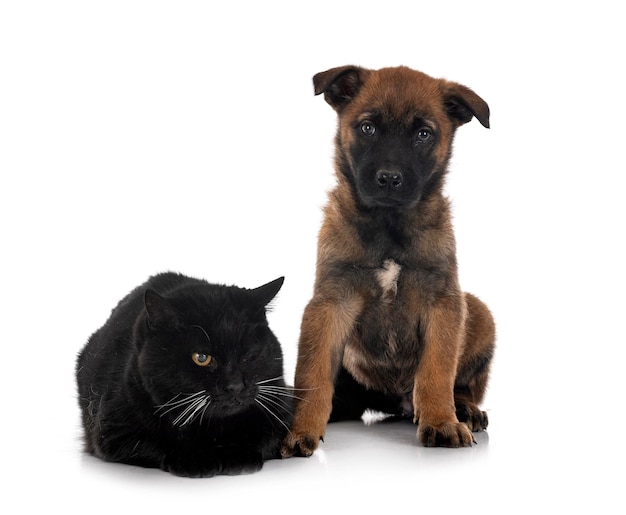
[{"x": 186, "y": 376}]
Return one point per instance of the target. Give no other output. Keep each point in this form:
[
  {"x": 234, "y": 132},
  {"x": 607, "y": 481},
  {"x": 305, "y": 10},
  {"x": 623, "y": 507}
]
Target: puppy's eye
[
  {"x": 201, "y": 359},
  {"x": 368, "y": 128},
  {"x": 423, "y": 135}
]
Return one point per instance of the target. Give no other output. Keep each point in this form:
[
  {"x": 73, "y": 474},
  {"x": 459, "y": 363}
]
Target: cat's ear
[
  {"x": 160, "y": 314},
  {"x": 264, "y": 294}
]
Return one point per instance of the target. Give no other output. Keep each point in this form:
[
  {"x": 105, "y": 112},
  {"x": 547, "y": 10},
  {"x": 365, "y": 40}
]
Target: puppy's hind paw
[{"x": 472, "y": 416}]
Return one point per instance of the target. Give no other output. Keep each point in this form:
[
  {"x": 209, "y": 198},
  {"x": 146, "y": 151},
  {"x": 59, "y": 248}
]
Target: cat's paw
[
  {"x": 229, "y": 466},
  {"x": 192, "y": 469},
  {"x": 240, "y": 461},
  {"x": 237, "y": 468},
  {"x": 447, "y": 434},
  {"x": 299, "y": 445}
]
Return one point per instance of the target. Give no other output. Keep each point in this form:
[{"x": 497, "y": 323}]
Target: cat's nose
[{"x": 235, "y": 385}]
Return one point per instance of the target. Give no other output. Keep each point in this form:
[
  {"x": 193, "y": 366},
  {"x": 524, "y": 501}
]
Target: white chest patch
[{"x": 387, "y": 278}]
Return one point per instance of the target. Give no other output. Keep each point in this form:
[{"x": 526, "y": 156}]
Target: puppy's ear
[
  {"x": 462, "y": 104},
  {"x": 339, "y": 85}
]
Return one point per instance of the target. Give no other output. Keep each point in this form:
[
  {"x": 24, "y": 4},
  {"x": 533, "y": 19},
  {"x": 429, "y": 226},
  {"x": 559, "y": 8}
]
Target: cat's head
[{"x": 205, "y": 350}]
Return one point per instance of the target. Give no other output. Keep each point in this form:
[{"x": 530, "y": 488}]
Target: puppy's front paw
[
  {"x": 299, "y": 444},
  {"x": 448, "y": 434}
]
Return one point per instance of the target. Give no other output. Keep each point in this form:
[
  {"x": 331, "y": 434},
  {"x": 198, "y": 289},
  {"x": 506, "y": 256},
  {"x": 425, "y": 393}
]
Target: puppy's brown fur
[{"x": 388, "y": 326}]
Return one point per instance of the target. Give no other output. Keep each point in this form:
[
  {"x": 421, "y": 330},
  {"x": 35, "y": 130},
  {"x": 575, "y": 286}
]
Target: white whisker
[
  {"x": 173, "y": 402},
  {"x": 206, "y": 406},
  {"x": 276, "y": 401},
  {"x": 189, "y": 412},
  {"x": 283, "y": 391},
  {"x": 270, "y": 380},
  {"x": 266, "y": 408},
  {"x": 190, "y": 405}
]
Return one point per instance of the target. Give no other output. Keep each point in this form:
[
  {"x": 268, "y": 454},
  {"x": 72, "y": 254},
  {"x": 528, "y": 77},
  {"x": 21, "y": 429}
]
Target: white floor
[{"x": 522, "y": 465}]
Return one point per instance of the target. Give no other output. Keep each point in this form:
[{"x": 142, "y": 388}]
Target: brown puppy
[{"x": 388, "y": 327}]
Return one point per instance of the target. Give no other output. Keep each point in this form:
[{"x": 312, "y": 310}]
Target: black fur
[{"x": 186, "y": 376}]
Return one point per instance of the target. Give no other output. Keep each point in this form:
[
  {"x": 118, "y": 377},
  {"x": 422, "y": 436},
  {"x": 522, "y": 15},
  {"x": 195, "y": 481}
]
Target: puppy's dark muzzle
[
  {"x": 389, "y": 181},
  {"x": 387, "y": 186}
]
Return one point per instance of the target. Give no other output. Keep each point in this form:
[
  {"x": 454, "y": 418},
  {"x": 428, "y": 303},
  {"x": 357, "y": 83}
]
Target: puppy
[{"x": 388, "y": 327}]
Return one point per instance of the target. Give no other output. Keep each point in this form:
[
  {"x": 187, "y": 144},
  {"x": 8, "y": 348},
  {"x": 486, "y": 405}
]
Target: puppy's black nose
[{"x": 388, "y": 180}]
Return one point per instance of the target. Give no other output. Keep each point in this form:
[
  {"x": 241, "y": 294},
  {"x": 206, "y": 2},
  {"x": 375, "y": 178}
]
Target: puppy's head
[{"x": 396, "y": 127}]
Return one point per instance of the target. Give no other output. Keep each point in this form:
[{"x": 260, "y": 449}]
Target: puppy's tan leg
[
  {"x": 433, "y": 394},
  {"x": 474, "y": 364},
  {"x": 325, "y": 326}
]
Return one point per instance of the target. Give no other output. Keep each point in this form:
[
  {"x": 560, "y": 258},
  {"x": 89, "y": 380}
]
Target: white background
[{"x": 137, "y": 137}]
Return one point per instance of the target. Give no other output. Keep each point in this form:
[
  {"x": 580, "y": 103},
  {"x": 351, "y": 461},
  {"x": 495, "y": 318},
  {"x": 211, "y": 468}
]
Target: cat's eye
[{"x": 201, "y": 359}]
